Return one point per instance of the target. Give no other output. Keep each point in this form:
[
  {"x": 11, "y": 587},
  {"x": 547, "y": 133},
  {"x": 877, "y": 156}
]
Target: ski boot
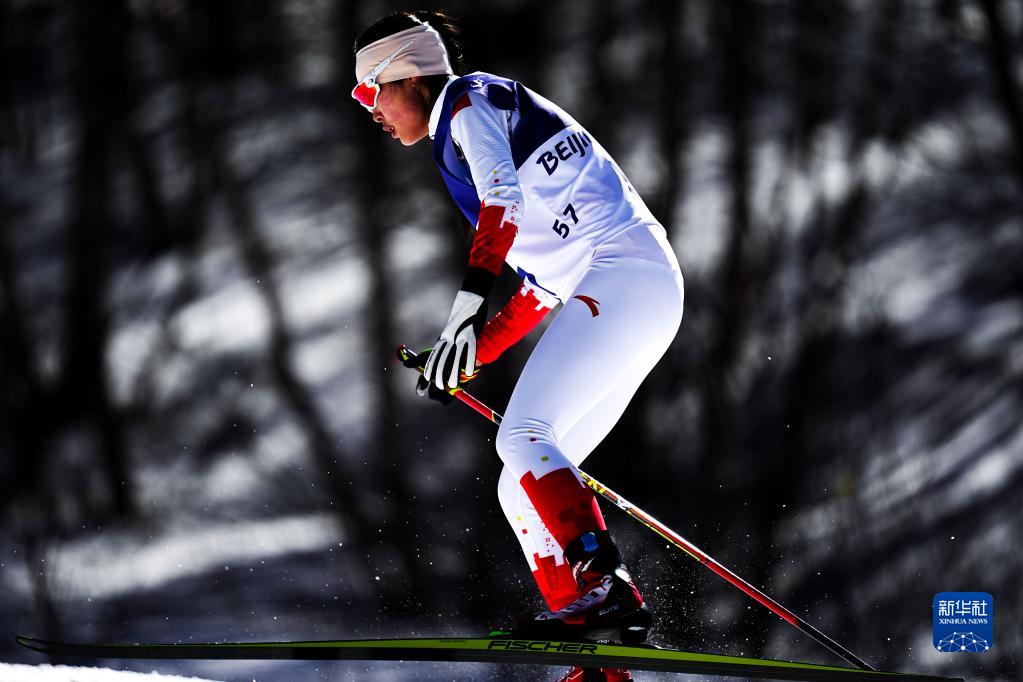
[
  {"x": 578, "y": 674},
  {"x": 609, "y": 607}
]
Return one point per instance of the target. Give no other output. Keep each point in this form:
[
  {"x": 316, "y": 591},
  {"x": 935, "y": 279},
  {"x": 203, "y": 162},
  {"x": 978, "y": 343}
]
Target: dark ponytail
[{"x": 444, "y": 24}]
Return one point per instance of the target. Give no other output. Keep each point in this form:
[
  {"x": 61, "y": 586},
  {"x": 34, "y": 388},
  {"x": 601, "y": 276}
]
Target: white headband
[{"x": 426, "y": 55}]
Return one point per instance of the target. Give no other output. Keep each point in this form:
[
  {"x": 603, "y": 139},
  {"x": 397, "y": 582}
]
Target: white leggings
[{"x": 585, "y": 370}]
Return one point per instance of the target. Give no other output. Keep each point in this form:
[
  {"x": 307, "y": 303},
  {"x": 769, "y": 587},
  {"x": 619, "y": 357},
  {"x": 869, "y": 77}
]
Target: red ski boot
[
  {"x": 609, "y": 607},
  {"x": 578, "y": 674}
]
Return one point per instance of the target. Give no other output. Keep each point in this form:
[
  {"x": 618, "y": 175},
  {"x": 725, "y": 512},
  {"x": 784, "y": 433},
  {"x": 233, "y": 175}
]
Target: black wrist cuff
[{"x": 478, "y": 281}]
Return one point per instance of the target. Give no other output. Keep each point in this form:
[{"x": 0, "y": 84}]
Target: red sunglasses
[{"x": 367, "y": 91}]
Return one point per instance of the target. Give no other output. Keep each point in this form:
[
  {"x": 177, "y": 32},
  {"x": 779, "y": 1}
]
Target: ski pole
[{"x": 408, "y": 357}]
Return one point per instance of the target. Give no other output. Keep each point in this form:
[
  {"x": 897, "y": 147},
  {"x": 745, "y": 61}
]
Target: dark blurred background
[{"x": 208, "y": 254}]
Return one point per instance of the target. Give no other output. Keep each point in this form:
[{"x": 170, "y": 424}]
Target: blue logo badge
[{"x": 964, "y": 622}]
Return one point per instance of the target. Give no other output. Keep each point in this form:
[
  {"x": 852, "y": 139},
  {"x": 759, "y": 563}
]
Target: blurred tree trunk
[
  {"x": 23, "y": 421},
  {"x": 673, "y": 129},
  {"x": 260, "y": 264},
  {"x": 736, "y": 28},
  {"x": 101, "y": 96},
  {"x": 25, "y": 77},
  {"x": 673, "y": 111},
  {"x": 1003, "y": 56},
  {"x": 24, "y": 426},
  {"x": 214, "y": 173},
  {"x": 373, "y": 218},
  {"x": 373, "y": 222},
  {"x": 630, "y": 437},
  {"x": 171, "y": 227},
  {"x": 804, "y": 430},
  {"x": 779, "y": 466},
  {"x": 80, "y": 396},
  {"x": 819, "y": 29},
  {"x": 604, "y": 119},
  {"x": 158, "y": 233}
]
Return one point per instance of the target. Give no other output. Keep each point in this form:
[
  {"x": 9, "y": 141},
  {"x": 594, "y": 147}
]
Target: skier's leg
[
  {"x": 599, "y": 348},
  {"x": 546, "y": 558},
  {"x": 590, "y": 431},
  {"x": 608, "y": 336}
]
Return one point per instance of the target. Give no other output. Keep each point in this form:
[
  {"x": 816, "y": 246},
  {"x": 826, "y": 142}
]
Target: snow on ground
[{"x": 63, "y": 673}]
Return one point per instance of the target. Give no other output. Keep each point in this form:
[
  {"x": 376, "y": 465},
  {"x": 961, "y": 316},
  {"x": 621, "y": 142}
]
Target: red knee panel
[{"x": 565, "y": 505}]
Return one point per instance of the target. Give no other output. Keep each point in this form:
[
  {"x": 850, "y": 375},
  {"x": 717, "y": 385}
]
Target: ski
[{"x": 499, "y": 647}]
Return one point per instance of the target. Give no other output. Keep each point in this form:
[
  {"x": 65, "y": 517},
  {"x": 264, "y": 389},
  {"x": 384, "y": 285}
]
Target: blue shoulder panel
[{"x": 537, "y": 123}]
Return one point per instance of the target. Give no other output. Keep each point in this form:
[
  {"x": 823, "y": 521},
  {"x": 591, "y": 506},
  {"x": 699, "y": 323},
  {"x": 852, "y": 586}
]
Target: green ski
[{"x": 499, "y": 647}]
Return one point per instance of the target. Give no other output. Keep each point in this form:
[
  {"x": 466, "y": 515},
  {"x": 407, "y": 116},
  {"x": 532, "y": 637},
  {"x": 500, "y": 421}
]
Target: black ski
[{"x": 499, "y": 647}]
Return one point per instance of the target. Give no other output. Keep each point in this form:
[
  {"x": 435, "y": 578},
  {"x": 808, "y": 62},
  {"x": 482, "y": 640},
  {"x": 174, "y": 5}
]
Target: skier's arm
[
  {"x": 481, "y": 132},
  {"x": 519, "y": 316}
]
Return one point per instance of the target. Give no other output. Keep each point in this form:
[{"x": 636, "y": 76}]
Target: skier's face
[{"x": 402, "y": 111}]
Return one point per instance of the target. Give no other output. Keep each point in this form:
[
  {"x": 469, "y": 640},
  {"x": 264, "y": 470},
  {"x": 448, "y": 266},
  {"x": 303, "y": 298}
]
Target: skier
[{"x": 546, "y": 198}]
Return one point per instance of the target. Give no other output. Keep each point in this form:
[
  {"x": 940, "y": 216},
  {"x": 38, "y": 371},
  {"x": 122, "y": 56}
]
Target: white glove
[{"x": 455, "y": 349}]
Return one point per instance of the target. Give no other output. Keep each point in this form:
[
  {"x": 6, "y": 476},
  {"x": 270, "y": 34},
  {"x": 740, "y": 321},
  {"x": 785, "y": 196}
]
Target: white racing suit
[{"x": 577, "y": 233}]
